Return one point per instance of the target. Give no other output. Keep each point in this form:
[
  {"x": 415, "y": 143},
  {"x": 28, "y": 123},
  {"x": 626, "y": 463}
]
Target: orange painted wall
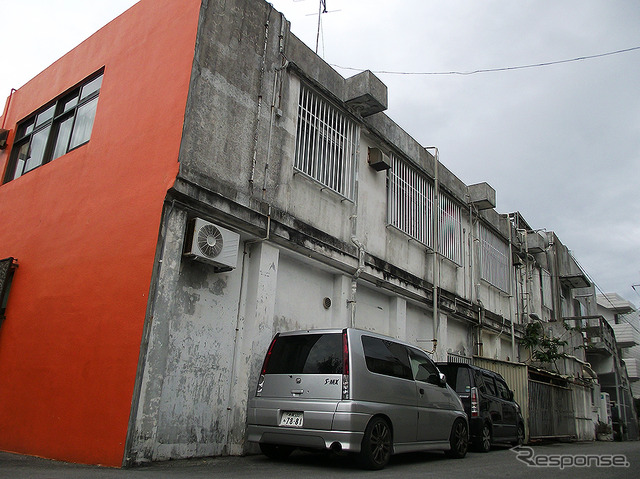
[{"x": 84, "y": 230}]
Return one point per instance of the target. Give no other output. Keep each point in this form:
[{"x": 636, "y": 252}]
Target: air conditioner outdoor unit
[{"x": 212, "y": 244}]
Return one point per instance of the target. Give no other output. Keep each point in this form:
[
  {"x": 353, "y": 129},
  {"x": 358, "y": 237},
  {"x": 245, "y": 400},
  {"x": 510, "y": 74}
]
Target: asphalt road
[{"x": 499, "y": 463}]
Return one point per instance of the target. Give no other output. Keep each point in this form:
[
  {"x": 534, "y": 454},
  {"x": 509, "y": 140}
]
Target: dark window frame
[
  {"x": 503, "y": 390},
  {"x": 421, "y": 363},
  {"x": 490, "y": 387},
  {"x": 51, "y": 131},
  {"x": 8, "y": 267},
  {"x": 399, "y": 367}
]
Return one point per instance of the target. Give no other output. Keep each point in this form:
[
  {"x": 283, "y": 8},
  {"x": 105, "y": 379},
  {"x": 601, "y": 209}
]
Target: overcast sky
[{"x": 559, "y": 143}]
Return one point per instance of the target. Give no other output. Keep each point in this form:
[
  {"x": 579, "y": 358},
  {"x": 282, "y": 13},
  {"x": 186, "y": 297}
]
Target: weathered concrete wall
[
  {"x": 209, "y": 331},
  {"x": 189, "y": 356}
]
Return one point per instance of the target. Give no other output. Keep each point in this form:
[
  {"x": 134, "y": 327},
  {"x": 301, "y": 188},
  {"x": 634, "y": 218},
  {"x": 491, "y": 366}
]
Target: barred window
[
  {"x": 494, "y": 264},
  {"x": 545, "y": 279},
  {"x": 410, "y": 201},
  {"x": 450, "y": 229},
  {"x": 55, "y": 129},
  {"x": 326, "y": 143}
]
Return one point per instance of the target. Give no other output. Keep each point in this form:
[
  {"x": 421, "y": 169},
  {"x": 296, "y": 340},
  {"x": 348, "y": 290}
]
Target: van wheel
[
  {"x": 459, "y": 439},
  {"x": 276, "y": 451},
  {"x": 376, "y": 444},
  {"x": 483, "y": 443},
  {"x": 520, "y": 436}
]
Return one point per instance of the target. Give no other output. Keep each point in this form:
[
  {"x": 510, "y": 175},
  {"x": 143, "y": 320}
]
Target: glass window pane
[
  {"x": 69, "y": 103},
  {"x": 24, "y": 129},
  {"x": 38, "y": 144},
  {"x": 23, "y": 154},
  {"x": 386, "y": 357},
  {"x": 84, "y": 123},
  {"x": 92, "y": 86},
  {"x": 307, "y": 354},
  {"x": 62, "y": 140},
  {"x": 45, "y": 115}
]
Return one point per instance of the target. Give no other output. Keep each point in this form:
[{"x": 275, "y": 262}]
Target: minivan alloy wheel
[
  {"x": 520, "y": 436},
  {"x": 376, "y": 444},
  {"x": 484, "y": 444},
  {"x": 459, "y": 439}
]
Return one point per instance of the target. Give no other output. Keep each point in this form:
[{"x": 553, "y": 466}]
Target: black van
[{"x": 494, "y": 417}]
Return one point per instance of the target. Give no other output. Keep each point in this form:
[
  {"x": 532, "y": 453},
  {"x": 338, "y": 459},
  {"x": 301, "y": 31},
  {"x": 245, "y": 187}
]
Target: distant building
[
  {"x": 622, "y": 316},
  {"x": 192, "y": 179}
]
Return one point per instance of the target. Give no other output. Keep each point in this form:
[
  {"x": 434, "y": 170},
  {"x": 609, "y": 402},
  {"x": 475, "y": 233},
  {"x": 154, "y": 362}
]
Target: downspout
[
  {"x": 436, "y": 251},
  {"x": 517, "y": 300},
  {"x": 471, "y": 261},
  {"x": 557, "y": 286},
  {"x": 525, "y": 284},
  {"x": 355, "y": 276},
  {"x": 260, "y": 86},
  {"x": 6, "y": 107},
  {"x": 239, "y": 331},
  {"x": 511, "y": 296},
  {"x": 275, "y": 103},
  {"x": 354, "y": 239}
]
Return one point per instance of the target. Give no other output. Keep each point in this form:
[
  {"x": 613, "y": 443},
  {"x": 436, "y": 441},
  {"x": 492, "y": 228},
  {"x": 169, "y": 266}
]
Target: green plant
[{"x": 542, "y": 348}]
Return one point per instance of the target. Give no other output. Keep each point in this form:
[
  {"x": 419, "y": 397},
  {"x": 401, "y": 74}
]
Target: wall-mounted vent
[
  {"x": 212, "y": 244},
  {"x": 482, "y": 196},
  {"x": 378, "y": 160}
]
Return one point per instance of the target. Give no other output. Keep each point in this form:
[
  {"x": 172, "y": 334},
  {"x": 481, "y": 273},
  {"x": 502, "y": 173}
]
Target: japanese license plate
[{"x": 291, "y": 419}]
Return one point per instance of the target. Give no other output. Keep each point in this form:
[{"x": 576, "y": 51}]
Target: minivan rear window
[
  {"x": 307, "y": 354},
  {"x": 457, "y": 377}
]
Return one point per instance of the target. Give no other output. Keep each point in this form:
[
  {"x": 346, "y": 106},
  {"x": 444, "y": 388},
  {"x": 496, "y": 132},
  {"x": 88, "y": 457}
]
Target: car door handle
[{"x": 297, "y": 391}]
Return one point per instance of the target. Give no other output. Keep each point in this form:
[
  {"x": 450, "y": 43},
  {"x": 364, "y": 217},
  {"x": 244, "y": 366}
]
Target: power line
[{"x": 492, "y": 70}]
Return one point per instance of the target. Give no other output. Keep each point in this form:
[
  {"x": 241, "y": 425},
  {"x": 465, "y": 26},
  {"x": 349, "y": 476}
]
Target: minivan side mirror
[{"x": 442, "y": 379}]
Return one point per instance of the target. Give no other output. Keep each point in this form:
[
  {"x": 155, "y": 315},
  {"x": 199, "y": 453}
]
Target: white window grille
[
  {"x": 410, "y": 201},
  {"x": 326, "y": 143},
  {"x": 411, "y": 196},
  {"x": 450, "y": 229},
  {"x": 494, "y": 263},
  {"x": 545, "y": 278}
]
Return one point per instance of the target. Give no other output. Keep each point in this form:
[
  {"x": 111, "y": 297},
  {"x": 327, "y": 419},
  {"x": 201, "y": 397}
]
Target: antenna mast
[{"x": 322, "y": 8}]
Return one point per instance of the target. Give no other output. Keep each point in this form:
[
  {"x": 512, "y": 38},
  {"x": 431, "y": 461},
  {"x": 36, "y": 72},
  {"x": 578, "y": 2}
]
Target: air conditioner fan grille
[{"x": 210, "y": 241}]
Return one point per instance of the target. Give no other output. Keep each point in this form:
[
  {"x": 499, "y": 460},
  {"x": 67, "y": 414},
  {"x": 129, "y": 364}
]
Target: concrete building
[
  {"x": 622, "y": 317},
  {"x": 192, "y": 179}
]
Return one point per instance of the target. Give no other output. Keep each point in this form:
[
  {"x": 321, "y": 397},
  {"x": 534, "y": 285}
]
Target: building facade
[{"x": 199, "y": 209}]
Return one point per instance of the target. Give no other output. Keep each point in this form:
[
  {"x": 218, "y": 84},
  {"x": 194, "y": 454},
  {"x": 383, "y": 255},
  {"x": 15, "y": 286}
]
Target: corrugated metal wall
[
  {"x": 551, "y": 410},
  {"x": 516, "y": 376},
  {"x": 583, "y": 413}
]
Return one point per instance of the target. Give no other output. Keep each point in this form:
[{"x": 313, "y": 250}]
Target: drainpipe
[
  {"x": 6, "y": 107},
  {"x": 355, "y": 276},
  {"x": 275, "y": 103},
  {"x": 511, "y": 296},
  {"x": 260, "y": 86},
  {"x": 436, "y": 250},
  {"x": 361, "y": 249}
]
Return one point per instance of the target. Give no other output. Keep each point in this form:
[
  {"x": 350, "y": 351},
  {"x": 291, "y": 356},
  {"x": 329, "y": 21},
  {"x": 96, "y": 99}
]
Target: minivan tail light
[
  {"x": 474, "y": 402},
  {"x": 263, "y": 371},
  {"x": 345, "y": 365}
]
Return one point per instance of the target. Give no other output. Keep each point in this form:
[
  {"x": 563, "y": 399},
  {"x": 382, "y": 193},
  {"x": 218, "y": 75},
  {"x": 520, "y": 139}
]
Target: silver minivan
[{"x": 354, "y": 391}]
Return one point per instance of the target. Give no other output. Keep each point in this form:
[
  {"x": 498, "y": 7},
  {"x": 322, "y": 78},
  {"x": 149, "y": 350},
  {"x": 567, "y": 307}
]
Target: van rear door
[
  {"x": 306, "y": 366},
  {"x": 302, "y": 379}
]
